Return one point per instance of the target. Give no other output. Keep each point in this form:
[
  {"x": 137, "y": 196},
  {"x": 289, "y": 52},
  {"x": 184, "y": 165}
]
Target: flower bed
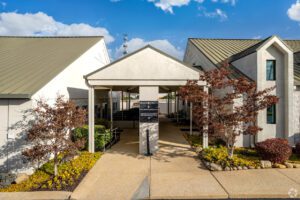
[
  {"x": 216, "y": 157},
  {"x": 70, "y": 174}
]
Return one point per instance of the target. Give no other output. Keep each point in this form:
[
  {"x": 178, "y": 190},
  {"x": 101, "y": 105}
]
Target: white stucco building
[
  {"x": 41, "y": 67},
  {"x": 269, "y": 62},
  {"x": 79, "y": 68}
]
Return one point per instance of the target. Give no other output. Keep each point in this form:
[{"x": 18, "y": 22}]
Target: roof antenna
[{"x": 125, "y": 44}]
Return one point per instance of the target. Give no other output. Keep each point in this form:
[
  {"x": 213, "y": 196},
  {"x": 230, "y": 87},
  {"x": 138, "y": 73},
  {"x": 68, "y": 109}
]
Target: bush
[
  {"x": 69, "y": 174},
  {"x": 277, "y": 150},
  {"x": 102, "y": 136},
  {"x": 220, "y": 156},
  {"x": 103, "y": 122},
  {"x": 297, "y": 149}
]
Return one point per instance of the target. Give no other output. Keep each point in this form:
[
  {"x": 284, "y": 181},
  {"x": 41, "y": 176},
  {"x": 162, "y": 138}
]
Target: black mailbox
[{"x": 148, "y": 111}]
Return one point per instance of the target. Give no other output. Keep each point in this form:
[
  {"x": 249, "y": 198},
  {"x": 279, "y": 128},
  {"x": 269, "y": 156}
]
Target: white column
[
  {"x": 205, "y": 128},
  {"x": 91, "y": 119},
  {"x": 168, "y": 103},
  {"x": 191, "y": 118},
  {"x": 111, "y": 110},
  {"x": 122, "y": 105},
  {"x": 148, "y": 93}
]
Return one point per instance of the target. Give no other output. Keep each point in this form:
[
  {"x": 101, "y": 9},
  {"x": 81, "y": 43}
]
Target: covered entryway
[{"x": 147, "y": 72}]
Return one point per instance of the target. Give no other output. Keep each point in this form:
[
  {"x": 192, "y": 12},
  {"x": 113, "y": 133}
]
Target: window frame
[
  {"x": 274, "y": 69},
  {"x": 273, "y": 107}
]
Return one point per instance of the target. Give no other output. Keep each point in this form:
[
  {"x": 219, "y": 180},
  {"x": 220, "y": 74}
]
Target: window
[
  {"x": 271, "y": 114},
  {"x": 271, "y": 70}
]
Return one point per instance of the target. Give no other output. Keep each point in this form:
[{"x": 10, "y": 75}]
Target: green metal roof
[
  {"x": 219, "y": 50},
  {"x": 29, "y": 63}
]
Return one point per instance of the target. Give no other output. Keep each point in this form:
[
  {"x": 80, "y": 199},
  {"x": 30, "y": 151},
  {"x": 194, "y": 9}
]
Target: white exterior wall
[
  {"x": 248, "y": 65},
  {"x": 276, "y": 50},
  {"x": 11, "y": 137},
  {"x": 70, "y": 81},
  {"x": 254, "y": 66},
  {"x": 296, "y": 116}
]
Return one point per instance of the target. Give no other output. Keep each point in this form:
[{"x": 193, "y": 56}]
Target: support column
[
  {"x": 148, "y": 94},
  {"x": 129, "y": 98},
  {"x": 122, "y": 96},
  {"x": 91, "y": 119},
  {"x": 111, "y": 110},
  {"x": 205, "y": 128},
  {"x": 177, "y": 107},
  {"x": 191, "y": 118},
  {"x": 168, "y": 103}
]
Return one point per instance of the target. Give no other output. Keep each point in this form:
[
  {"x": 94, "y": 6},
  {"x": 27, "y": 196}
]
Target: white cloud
[
  {"x": 218, "y": 13},
  {"x": 294, "y": 11},
  {"x": 41, "y": 24},
  {"x": 164, "y": 45},
  {"x": 257, "y": 37},
  {"x": 167, "y": 5},
  {"x": 3, "y": 4}
]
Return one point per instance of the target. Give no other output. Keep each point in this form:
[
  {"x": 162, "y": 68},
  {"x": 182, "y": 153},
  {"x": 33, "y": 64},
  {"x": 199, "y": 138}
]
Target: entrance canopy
[
  {"x": 147, "y": 71},
  {"x": 145, "y": 67}
]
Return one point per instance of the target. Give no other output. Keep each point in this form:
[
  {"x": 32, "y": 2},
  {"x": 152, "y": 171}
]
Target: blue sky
[{"x": 166, "y": 24}]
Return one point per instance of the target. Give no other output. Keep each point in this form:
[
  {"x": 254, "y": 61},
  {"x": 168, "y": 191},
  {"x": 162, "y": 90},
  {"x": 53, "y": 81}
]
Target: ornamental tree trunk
[
  {"x": 55, "y": 164},
  {"x": 55, "y": 169}
]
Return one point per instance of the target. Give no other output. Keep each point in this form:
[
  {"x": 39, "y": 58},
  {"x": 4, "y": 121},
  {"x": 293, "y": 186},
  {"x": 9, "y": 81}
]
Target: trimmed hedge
[
  {"x": 102, "y": 136},
  {"x": 277, "y": 150}
]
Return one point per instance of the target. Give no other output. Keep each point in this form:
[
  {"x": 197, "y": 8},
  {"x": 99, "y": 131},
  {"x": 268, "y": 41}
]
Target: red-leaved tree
[
  {"x": 50, "y": 133},
  {"x": 230, "y": 106}
]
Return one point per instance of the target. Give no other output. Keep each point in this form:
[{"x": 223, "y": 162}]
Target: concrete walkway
[
  {"x": 47, "y": 195},
  {"x": 119, "y": 174},
  {"x": 175, "y": 172}
]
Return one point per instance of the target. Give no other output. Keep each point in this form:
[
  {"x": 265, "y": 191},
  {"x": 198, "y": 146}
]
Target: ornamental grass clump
[{"x": 276, "y": 150}]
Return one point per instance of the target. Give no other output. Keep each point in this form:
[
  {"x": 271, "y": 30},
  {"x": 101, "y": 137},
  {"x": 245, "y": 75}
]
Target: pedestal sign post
[{"x": 149, "y": 118}]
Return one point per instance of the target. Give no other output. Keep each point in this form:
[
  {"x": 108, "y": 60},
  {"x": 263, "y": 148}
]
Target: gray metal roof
[
  {"x": 220, "y": 50},
  {"x": 29, "y": 63}
]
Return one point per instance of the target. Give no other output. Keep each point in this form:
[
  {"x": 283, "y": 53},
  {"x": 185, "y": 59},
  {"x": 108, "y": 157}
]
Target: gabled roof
[
  {"x": 29, "y": 63},
  {"x": 220, "y": 50},
  {"x": 147, "y": 66},
  {"x": 136, "y": 52}
]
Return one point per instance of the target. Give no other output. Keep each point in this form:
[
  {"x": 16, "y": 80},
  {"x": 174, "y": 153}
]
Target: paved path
[
  {"x": 175, "y": 172},
  {"x": 47, "y": 195},
  {"x": 119, "y": 173}
]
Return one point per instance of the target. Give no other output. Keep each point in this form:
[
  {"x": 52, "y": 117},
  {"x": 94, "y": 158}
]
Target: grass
[
  {"x": 193, "y": 140},
  {"x": 294, "y": 159},
  {"x": 69, "y": 175}
]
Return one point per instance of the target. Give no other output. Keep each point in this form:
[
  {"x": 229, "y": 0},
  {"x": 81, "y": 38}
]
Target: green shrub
[
  {"x": 277, "y": 150},
  {"x": 297, "y": 149},
  {"x": 103, "y": 122},
  {"x": 102, "y": 136},
  {"x": 69, "y": 173},
  {"x": 220, "y": 156}
]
